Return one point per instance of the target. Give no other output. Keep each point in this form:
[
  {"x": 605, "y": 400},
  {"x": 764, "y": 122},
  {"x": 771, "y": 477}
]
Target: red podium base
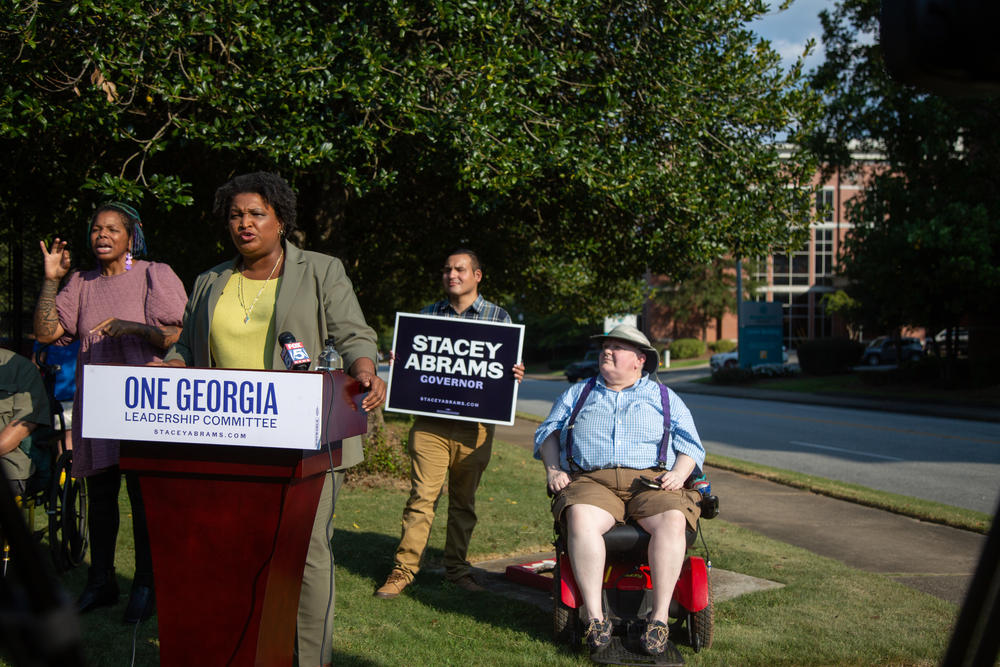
[{"x": 228, "y": 551}]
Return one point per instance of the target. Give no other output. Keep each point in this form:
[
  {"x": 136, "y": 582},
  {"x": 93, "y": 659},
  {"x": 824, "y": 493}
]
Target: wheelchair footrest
[
  {"x": 537, "y": 574},
  {"x": 628, "y": 652}
]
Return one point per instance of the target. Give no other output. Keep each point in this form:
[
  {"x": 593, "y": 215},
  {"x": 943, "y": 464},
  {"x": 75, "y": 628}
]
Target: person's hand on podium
[{"x": 363, "y": 370}]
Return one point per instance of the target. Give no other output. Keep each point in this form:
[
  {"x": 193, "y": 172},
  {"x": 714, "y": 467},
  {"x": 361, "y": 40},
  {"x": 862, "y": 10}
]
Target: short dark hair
[
  {"x": 476, "y": 266},
  {"x": 273, "y": 189}
]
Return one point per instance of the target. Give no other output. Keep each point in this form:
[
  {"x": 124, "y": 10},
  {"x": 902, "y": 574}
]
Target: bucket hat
[{"x": 631, "y": 335}]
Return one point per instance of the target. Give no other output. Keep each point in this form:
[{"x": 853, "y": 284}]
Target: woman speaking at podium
[
  {"x": 232, "y": 320},
  {"x": 127, "y": 311}
]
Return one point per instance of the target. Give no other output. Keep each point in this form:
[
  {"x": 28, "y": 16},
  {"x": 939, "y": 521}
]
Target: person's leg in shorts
[
  {"x": 666, "y": 516},
  {"x": 590, "y": 509}
]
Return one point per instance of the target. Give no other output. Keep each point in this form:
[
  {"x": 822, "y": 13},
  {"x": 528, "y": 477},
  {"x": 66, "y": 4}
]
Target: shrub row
[
  {"x": 746, "y": 375},
  {"x": 686, "y": 348},
  {"x": 724, "y": 345}
]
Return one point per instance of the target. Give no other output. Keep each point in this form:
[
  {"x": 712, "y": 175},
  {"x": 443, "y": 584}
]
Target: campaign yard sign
[{"x": 454, "y": 368}]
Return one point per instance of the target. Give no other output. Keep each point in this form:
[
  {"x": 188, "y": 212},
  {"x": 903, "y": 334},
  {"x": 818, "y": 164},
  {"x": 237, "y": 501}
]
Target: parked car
[
  {"x": 585, "y": 368},
  {"x": 731, "y": 359},
  {"x": 882, "y": 350}
]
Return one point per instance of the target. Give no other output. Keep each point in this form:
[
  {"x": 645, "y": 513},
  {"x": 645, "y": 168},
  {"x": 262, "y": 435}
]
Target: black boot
[
  {"x": 141, "y": 604},
  {"x": 101, "y": 591}
]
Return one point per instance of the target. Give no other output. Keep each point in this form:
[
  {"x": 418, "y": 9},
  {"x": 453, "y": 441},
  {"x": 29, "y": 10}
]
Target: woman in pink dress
[{"x": 126, "y": 311}]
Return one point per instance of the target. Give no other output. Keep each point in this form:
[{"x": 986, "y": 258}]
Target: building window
[
  {"x": 824, "y": 205},
  {"x": 792, "y": 269},
  {"x": 795, "y": 325},
  {"x": 822, "y": 324},
  {"x": 824, "y": 257}
]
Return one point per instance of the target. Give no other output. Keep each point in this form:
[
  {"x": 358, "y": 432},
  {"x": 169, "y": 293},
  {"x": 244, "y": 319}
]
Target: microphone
[{"x": 293, "y": 353}]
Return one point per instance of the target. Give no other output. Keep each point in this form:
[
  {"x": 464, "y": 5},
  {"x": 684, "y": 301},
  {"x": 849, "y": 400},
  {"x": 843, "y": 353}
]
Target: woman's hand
[
  {"x": 115, "y": 327},
  {"x": 161, "y": 337},
  {"x": 363, "y": 370},
  {"x": 55, "y": 260},
  {"x": 375, "y": 386}
]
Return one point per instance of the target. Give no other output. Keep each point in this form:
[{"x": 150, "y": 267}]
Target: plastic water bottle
[{"x": 329, "y": 358}]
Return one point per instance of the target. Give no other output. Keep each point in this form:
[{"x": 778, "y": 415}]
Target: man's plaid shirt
[{"x": 481, "y": 309}]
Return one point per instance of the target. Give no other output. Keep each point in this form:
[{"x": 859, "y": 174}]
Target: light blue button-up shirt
[{"x": 621, "y": 428}]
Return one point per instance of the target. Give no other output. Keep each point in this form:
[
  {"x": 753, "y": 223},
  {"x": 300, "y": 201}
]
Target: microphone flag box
[
  {"x": 295, "y": 354},
  {"x": 212, "y": 406}
]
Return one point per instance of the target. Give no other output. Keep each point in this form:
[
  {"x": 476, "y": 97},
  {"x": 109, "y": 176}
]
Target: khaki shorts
[{"x": 619, "y": 492}]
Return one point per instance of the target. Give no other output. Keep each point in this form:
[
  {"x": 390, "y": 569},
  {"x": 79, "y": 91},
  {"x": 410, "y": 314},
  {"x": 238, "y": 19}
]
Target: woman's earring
[{"x": 128, "y": 261}]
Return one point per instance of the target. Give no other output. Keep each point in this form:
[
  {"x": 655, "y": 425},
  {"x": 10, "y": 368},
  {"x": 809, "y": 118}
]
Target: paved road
[
  {"x": 952, "y": 461},
  {"x": 956, "y": 462}
]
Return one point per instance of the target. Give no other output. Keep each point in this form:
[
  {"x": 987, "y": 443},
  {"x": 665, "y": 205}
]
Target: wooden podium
[{"x": 229, "y": 528}]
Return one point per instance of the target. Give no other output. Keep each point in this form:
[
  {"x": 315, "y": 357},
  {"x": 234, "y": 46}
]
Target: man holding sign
[{"x": 439, "y": 446}]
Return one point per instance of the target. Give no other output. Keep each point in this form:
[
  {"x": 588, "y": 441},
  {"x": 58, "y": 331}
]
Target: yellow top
[{"x": 242, "y": 332}]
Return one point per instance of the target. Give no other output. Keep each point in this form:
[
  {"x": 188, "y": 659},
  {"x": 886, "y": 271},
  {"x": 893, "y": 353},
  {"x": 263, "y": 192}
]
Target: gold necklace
[{"x": 243, "y": 304}]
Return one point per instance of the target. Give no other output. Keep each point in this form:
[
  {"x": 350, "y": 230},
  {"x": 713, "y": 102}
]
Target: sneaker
[
  {"x": 467, "y": 583},
  {"x": 393, "y": 586},
  {"x": 598, "y": 634},
  {"x": 654, "y": 640}
]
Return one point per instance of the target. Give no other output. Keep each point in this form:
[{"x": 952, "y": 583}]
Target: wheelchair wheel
[
  {"x": 701, "y": 624},
  {"x": 67, "y": 515},
  {"x": 565, "y": 619}
]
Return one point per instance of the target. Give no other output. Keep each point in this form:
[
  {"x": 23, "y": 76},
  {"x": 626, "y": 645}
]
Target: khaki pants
[{"x": 459, "y": 450}]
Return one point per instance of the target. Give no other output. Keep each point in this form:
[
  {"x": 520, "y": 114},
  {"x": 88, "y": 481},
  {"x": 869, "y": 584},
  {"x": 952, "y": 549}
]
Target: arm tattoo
[
  {"x": 161, "y": 337},
  {"x": 46, "y": 315}
]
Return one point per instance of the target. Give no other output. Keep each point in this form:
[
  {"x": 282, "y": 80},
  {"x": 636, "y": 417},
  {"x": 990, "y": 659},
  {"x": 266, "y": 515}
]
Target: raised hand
[{"x": 56, "y": 260}]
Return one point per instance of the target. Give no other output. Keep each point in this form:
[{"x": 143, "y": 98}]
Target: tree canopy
[
  {"x": 574, "y": 143},
  {"x": 925, "y": 247}
]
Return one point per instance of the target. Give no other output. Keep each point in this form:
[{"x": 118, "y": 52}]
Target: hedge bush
[
  {"x": 724, "y": 345},
  {"x": 686, "y": 348},
  {"x": 746, "y": 375},
  {"x": 829, "y": 356}
]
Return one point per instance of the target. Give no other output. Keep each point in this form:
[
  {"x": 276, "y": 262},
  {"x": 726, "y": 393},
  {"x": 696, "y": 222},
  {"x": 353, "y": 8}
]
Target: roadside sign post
[{"x": 760, "y": 333}]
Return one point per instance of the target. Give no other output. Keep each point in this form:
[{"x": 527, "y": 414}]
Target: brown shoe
[
  {"x": 393, "y": 586},
  {"x": 467, "y": 583}
]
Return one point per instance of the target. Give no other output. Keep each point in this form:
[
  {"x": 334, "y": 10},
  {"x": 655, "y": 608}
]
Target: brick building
[{"x": 798, "y": 280}]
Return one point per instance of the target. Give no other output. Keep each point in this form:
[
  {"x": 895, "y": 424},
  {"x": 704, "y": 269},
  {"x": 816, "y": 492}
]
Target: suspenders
[{"x": 661, "y": 457}]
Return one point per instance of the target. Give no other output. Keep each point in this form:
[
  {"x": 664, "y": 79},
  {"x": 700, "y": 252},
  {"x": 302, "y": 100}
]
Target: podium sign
[{"x": 212, "y": 406}]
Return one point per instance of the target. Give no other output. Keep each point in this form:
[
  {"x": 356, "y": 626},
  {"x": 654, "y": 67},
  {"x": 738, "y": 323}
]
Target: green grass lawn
[{"x": 826, "y": 613}]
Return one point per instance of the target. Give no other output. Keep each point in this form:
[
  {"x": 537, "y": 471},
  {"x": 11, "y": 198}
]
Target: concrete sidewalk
[{"x": 934, "y": 559}]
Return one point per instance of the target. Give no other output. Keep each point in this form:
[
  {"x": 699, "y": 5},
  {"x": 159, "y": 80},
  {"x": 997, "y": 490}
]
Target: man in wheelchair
[
  {"x": 23, "y": 407},
  {"x": 621, "y": 446}
]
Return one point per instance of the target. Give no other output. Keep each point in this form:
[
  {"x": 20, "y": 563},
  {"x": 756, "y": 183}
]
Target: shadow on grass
[
  {"x": 370, "y": 555},
  {"x": 353, "y": 660}
]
